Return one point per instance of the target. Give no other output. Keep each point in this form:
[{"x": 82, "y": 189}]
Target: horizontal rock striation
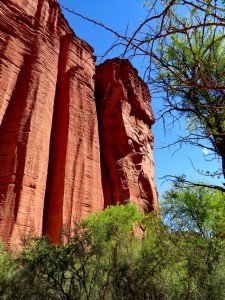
[
  {"x": 51, "y": 172},
  {"x": 126, "y": 139}
]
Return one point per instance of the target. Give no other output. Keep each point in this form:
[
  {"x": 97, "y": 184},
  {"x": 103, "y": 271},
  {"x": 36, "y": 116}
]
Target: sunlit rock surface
[
  {"x": 49, "y": 146},
  {"x": 126, "y": 139}
]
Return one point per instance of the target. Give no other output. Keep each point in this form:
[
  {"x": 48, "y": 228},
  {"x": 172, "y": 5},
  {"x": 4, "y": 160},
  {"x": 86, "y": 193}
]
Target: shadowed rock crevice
[
  {"x": 53, "y": 207},
  {"x": 13, "y": 141}
]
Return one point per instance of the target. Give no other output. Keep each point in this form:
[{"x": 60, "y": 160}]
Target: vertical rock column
[
  {"x": 126, "y": 139},
  {"x": 28, "y": 74},
  {"x": 49, "y": 146},
  {"x": 74, "y": 182}
]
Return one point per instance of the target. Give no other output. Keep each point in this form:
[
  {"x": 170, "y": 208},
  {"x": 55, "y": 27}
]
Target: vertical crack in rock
[{"x": 53, "y": 209}]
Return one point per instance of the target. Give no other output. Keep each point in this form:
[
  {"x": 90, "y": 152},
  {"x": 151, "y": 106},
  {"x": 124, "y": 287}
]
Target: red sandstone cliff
[
  {"x": 50, "y": 171},
  {"x": 48, "y": 131},
  {"x": 126, "y": 139}
]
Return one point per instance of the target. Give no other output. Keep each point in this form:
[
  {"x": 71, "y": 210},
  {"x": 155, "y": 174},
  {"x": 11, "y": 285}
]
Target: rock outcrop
[
  {"x": 49, "y": 146},
  {"x": 126, "y": 139},
  {"x": 50, "y": 168}
]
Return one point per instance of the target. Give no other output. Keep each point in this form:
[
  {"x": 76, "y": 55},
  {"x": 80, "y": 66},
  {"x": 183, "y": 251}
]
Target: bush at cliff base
[{"x": 108, "y": 258}]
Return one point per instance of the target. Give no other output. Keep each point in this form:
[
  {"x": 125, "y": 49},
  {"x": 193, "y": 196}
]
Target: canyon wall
[
  {"x": 125, "y": 119},
  {"x": 51, "y": 169}
]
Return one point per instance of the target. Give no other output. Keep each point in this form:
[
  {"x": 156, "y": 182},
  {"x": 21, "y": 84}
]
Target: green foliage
[
  {"x": 195, "y": 218},
  {"x": 193, "y": 79},
  {"x": 121, "y": 253},
  {"x": 194, "y": 209}
]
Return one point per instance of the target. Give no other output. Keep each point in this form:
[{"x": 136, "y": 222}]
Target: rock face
[
  {"x": 126, "y": 139},
  {"x": 49, "y": 145},
  {"x": 50, "y": 168}
]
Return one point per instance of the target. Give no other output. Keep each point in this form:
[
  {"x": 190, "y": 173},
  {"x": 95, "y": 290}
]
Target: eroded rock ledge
[{"x": 51, "y": 172}]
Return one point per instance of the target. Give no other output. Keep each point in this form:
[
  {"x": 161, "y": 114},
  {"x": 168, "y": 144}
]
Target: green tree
[
  {"x": 121, "y": 254},
  {"x": 195, "y": 218},
  {"x": 102, "y": 260},
  {"x": 194, "y": 87},
  {"x": 196, "y": 210},
  {"x": 187, "y": 63}
]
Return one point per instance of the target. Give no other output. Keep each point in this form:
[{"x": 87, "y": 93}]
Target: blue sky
[{"x": 118, "y": 14}]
